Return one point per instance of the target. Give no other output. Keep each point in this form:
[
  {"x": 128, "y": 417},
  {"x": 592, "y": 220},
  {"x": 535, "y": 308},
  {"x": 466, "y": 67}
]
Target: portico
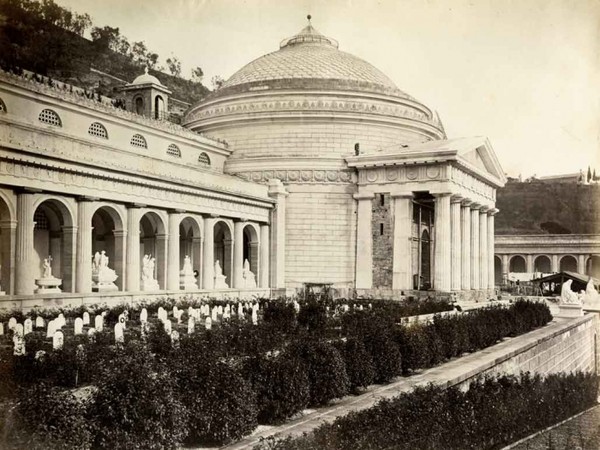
[{"x": 441, "y": 198}]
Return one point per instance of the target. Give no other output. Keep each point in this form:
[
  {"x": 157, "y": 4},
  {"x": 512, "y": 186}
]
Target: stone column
[
  {"x": 173, "y": 249},
  {"x": 196, "y": 256},
  {"x": 84, "y": 246},
  {"x": 238, "y": 254},
  {"x": 228, "y": 261},
  {"x": 402, "y": 263},
  {"x": 465, "y": 213},
  {"x": 278, "y": 193},
  {"x": 25, "y": 273},
  {"x": 456, "y": 242},
  {"x": 161, "y": 260},
  {"x": 68, "y": 261},
  {"x": 504, "y": 266},
  {"x": 364, "y": 242},
  {"x": 491, "y": 249},
  {"x": 133, "y": 249},
  {"x": 483, "y": 249},
  {"x": 8, "y": 234},
  {"x": 118, "y": 259},
  {"x": 555, "y": 263},
  {"x": 529, "y": 263},
  {"x": 475, "y": 245},
  {"x": 581, "y": 264},
  {"x": 442, "y": 264},
  {"x": 263, "y": 273},
  {"x": 208, "y": 257}
]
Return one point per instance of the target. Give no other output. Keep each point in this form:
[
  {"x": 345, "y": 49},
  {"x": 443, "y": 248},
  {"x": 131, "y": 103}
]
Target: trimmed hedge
[{"x": 491, "y": 414}]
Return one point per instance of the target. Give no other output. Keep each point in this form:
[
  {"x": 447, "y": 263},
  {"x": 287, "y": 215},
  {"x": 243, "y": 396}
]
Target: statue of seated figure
[
  {"x": 248, "y": 277},
  {"x": 219, "y": 277}
]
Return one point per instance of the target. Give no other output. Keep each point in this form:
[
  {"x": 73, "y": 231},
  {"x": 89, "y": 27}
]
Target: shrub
[
  {"x": 414, "y": 345},
  {"x": 313, "y": 317},
  {"x": 222, "y": 405},
  {"x": 280, "y": 316},
  {"x": 136, "y": 405},
  {"x": 325, "y": 368},
  {"x": 281, "y": 385},
  {"x": 49, "y": 417},
  {"x": 359, "y": 364}
]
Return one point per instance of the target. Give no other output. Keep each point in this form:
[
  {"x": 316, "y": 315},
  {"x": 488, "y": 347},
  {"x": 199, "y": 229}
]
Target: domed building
[{"x": 313, "y": 117}]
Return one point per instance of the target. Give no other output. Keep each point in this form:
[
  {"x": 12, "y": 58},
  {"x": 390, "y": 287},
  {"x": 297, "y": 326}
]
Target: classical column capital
[
  {"x": 241, "y": 220},
  {"x": 493, "y": 211},
  {"x": 466, "y": 202},
  {"x": 88, "y": 198},
  {"x": 176, "y": 211},
  {"x": 456, "y": 198},
  {"x": 407, "y": 194},
  {"x": 135, "y": 205},
  {"x": 365, "y": 196},
  {"x": 475, "y": 206},
  {"x": 213, "y": 216},
  {"x": 484, "y": 209},
  {"x": 441, "y": 194},
  {"x": 120, "y": 233},
  {"x": 8, "y": 224}
]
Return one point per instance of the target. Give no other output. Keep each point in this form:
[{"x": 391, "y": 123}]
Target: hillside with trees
[{"x": 48, "y": 39}]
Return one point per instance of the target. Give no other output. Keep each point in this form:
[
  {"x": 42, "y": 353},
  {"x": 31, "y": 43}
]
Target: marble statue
[
  {"x": 149, "y": 283},
  {"x": 591, "y": 294},
  {"x": 248, "y": 277},
  {"x": 219, "y": 277},
  {"x": 567, "y": 296},
  {"x": 48, "y": 284},
  {"x": 103, "y": 277},
  {"x": 187, "y": 281}
]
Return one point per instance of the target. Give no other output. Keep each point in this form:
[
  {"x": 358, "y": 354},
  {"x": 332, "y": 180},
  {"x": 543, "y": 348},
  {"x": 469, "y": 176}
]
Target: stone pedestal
[
  {"x": 220, "y": 282},
  {"x": 48, "y": 285},
  {"x": 187, "y": 281},
  {"x": 103, "y": 280},
  {"x": 569, "y": 310},
  {"x": 150, "y": 285}
]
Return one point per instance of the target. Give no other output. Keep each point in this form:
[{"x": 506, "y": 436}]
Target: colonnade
[
  {"x": 463, "y": 243},
  {"x": 77, "y": 247}
]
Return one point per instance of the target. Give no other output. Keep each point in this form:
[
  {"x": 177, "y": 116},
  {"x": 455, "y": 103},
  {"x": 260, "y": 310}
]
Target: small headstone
[
  {"x": 162, "y": 314},
  {"x": 190, "y": 311},
  {"x": 215, "y": 313},
  {"x": 19, "y": 345},
  {"x": 119, "y": 335},
  {"x": 175, "y": 338},
  {"x": 19, "y": 329},
  {"x": 370, "y": 306},
  {"x": 1, "y": 329},
  {"x": 27, "y": 326},
  {"x": 58, "y": 340},
  {"x": 168, "y": 326},
  {"x": 191, "y": 324},
  {"x": 12, "y": 322},
  {"x": 144, "y": 315},
  {"x": 104, "y": 313},
  {"x": 78, "y": 325},
  {"x": 178, "y": 315},
  {"x": 39, "y": 322},
  {"x": 123, "y": 320},
  {"x": 220, "y": 310},
  {"x": 86, "y": 318},
  {"x": 99, "y": 322},
  {"x": 361, "y": 308},
  {"x": 175, "y": 311},
  {"x": 51, "y": 329},
  {"x": 61, "y": 320},
  {"x": 240, "y": 310},
  {"x": 208, "y": 323},
  {"x": 254, "y": 317},
  {"x": 296, "y": 306}
]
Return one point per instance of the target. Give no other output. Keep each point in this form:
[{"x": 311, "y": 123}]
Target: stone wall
[{"x": 382, "y": 229}]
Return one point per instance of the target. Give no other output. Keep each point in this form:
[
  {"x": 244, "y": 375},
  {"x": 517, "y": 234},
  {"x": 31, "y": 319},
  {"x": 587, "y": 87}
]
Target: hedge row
[
  {"x": 216, "y": 385},
  {"x": 491, "y": 414}
]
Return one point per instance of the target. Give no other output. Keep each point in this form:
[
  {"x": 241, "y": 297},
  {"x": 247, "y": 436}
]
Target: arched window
[
  {"x": 2, "y": 106},
  {"x": 204, "y": 159},
  {"x": 137, "y": 140},
  {"x": 159, "y": 107},
  {"x": 98, "y": 130},
  {"x": 173, "y": 150},
  {"x": 139, "y": 106},
  {"x": 50, "y": 117}
]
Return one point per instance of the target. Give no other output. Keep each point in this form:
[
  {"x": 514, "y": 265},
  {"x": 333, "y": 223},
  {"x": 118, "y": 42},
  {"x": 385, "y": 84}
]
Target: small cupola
[{"x": 147, "y": 96}]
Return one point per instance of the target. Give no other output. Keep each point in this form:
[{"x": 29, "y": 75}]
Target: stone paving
[{"x": 581, "y": 432}]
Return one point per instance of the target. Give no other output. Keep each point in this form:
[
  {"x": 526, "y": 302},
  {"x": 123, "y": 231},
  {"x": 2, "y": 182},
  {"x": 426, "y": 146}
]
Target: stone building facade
[{"x": 308, "y": 162}]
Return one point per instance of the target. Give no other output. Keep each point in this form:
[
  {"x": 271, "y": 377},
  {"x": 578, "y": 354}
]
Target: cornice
[{"x": 301, "y": 176}]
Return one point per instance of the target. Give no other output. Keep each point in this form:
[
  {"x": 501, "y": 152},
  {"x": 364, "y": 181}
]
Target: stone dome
[
  {"x": 145, "y": 78},
  {"x": 310, "y": 60}
]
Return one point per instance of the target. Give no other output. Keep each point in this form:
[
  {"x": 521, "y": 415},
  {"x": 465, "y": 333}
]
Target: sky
[{"x": 524, "y": 73}]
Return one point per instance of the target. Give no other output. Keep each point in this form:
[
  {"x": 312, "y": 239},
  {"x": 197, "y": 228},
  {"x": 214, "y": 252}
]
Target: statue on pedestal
[
  {"x": 186, "y": 276},
  {"x": 219, "y": 277},
  {"x": 591, "y": 294},
  {"x": 149, "y": 283},
  {"x": 48, "y": 284},
  {"x": 567, "y": 296},
  {"x": 248, "y": 277},
  {"x": 103, "y": 277},
  {"x": 570, "y": 305}
]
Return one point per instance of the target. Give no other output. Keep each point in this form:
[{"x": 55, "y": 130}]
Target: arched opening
[
  {"x": 517, "y": 264},
  {"x": 159, "y": 107},
  {"x": 107, "y": 236},
  {"x": 251, "y": 247},
  {"x": 568, "y": 263},
  {"x": 153, "y": 242},
  {"x": 139, "y": 106},
  {"x": 223, "y": 249},
  {"x": 593, "y": 266},
  {"x": 190, "y": 244},
  {"x": 54, "y": 241},
  {"x": 542, "y": 264},
  {"x": 7, "y": 248},
  {"x": 498, "y": 275}
]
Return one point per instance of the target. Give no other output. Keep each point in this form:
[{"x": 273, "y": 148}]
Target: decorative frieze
[
  {"x": 403, "y": 173},
  {"x": 300, "y": 176}
]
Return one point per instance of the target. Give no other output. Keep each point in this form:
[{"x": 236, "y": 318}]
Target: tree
[
  {"x": 197, "y": 74},
  {"x": 107, "y": 38},
  {"x": 174, "y": 66},
  {"x": 217, "y": 81},
  {"x": 589, "y": 174}
]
